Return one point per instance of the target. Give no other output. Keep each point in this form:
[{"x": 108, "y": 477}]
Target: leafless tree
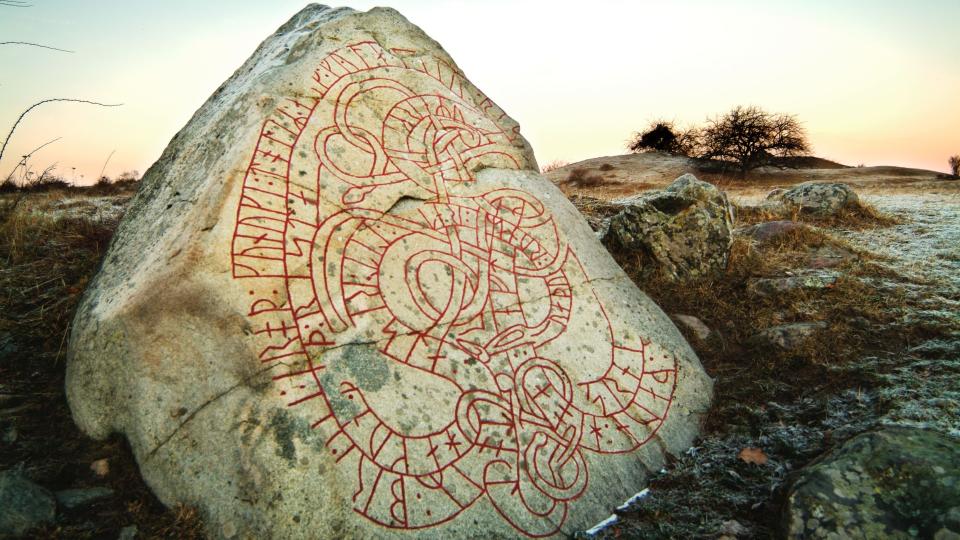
[
  {"x": 749, "y": 137},
  {"x": 954, "y": 162}
]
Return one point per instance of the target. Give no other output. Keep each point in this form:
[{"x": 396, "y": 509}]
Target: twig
[
  {"x": 37, "y": 104},
  {"x": 63, "y": 340},
  {"x": 105, "y": 164},
  {"x": 34, "y": 45},
  {"x": 28, "y": 155},
  {"x": 14, "y": 3}
]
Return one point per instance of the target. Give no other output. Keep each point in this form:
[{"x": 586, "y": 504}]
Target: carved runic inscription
[{"x": 420, "y": 321}]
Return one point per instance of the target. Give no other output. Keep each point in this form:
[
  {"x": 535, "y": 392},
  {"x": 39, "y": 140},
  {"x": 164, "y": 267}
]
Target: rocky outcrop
[
  {"x": 345, "y": 304},
  {"x": 682, "y": 231},
  {"x": 891, "y": 483}
]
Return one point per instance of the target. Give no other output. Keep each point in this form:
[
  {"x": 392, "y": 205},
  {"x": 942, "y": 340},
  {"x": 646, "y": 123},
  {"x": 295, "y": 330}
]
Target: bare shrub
[
  {"x": 553, "y": 165},
  {"x": 664, "y": 136},
  {"x": 580, "y": 178},
  {"x": 954, "y": 162}
]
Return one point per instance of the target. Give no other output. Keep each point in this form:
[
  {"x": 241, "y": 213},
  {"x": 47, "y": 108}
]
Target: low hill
[{"x": 616, "y": 176}]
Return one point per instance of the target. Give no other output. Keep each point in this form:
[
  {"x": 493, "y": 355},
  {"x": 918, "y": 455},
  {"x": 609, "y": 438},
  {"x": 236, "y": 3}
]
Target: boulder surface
[
  {"x": 683, "y": 231},
  {"x": 344, "y": 304},
  {"x": 23, "y": 504},
  {"x": 896, "y": 482},
  {"x": 817, "y": 197}
]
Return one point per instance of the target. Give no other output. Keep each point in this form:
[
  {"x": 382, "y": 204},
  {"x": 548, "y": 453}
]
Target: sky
[{"x": 874, "y": 82}]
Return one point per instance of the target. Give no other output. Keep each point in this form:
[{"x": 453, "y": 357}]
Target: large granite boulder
[
  {"x": 682, "y": 231},
  {"x": 892, "y": 483},
  {"x": 344, "y": 304}
]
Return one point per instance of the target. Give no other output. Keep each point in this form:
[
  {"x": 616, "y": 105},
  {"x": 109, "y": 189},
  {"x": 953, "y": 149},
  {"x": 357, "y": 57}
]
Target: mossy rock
[{"x": 891, "y": 483}]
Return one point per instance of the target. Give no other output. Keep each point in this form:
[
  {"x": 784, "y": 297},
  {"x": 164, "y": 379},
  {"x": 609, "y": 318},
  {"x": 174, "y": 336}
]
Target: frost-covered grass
[{"x": 889, "y": 354}]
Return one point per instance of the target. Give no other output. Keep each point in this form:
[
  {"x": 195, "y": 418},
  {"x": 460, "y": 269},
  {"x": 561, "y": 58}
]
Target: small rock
[
  {"x": 819, "y": 197},
  {"x": 769, "y": 230},
  {"x": 100, "y": 467},
  {"x": 733, "y": 528},
  {"x": 128, "y": 533},
  {"x": 896, "y": 482},
  {"x": 7, "y": 346},
  {"x": 684, "y": 230},
  {"x": 8, "y": 433},
  {"x": 23, "y": 504},
  {"x": 787, "y": 336},
  {"x": 71, "y": 499},
  {"x": 828, "y": 257},
  {"x": 775, "y": 193},
  {"x": 694, "y": 324},
  {"x": 766, "y": 287}
]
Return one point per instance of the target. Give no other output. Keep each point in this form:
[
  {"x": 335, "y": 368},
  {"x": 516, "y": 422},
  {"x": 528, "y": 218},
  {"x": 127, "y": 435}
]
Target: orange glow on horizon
[{"x": 872, "y": 84}]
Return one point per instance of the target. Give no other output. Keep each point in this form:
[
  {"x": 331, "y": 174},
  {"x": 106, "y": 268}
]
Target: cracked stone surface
[
  {"x": 682, "y": 231},
  {"x": 345, "y": 304},
  {"x": 895, "y": 482},
  {"x": 816, "y": 197}
]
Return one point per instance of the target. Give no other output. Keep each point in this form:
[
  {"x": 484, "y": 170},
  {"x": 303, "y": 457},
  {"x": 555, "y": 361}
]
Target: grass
[
  {"x": 45, "y": 264},
  {"x": 726, "y": 303},
  {"x": 856, "y": 216}
]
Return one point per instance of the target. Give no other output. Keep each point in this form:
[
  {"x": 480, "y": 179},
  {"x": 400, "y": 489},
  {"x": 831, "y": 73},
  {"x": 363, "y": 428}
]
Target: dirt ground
[
  {"x": 50, "y": 246},
  {"x": 889, "y": 353}
]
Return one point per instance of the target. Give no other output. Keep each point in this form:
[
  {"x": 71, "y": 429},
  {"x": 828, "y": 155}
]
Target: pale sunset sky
[{"x": 873, "y": 81}]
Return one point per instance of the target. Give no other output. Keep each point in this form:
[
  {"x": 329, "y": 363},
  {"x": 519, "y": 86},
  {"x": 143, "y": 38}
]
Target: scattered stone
[
  {"x": 775, "y": 193},
  {"x": 72, "y": 499},
  {"x": 787, "y": 336},
  {"x": 8, "y": 348},
  {"x": 695, "y": 325},
  {"x": 100, "y": 467},
  {"x": 340, "y": 289},
  {"x": 819, "y": 197},
  {"x": 23, "y": 504},
  {"x": 766, "y": 287},
  {"x": 733, "y": 529},
  {"x": 770, "y": 230},
  {"x": 8, "y": 432},
  {"x": 754, "y": 456},
  {"x": 128, "y": 533},
  {"x": 893, "y": 483},
  {"x": 828, "y": 257},
  {"x": 683, "y": 230}
]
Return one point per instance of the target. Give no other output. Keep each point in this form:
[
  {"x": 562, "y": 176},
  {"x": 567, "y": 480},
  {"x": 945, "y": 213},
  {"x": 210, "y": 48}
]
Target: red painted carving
[{"x": 473, "y": 289}]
